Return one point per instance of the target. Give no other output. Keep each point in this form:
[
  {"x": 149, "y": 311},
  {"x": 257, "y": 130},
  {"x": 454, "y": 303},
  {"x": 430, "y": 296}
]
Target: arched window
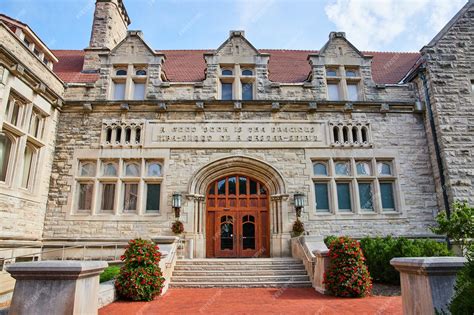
[
  {"x": 121, "y": 72},
  {"x": 132, "y": 169},
  {"x": 384, "y": 168},
  {"x": 335, "y": 131},
  {"x": 363, "y": 168},
  {"x": 355, "y": 135},
  {"x": 108, "y": 135},
  {"x": 140, "y": 72},
  {"x": 138, "y": 135},
  {"x": 342, "y": 168},
  {"x": 5, "y": 150},
  {"x": 345, "y": 134},
  {"x": 110, "y": 169},
  {"x": 128, "y": 134},
  {"x": 227, "y": 72},
  {"x": 364, "y": 135},
  {"x": 118, "y": 134},
  {"x": 320, "y": 169},
  {"x": 87, "y": 169},
  {"x": 247, "y": 72},
  {"x": 154, "y": 169}
]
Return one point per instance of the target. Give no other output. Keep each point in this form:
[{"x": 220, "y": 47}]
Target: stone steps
[{"x": 235, "y": 273}]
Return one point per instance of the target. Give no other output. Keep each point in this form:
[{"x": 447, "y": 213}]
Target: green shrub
[
  {"x": 347, "y": 274},
  {"x": 329, "y": 239},
  {"x": 140, "y": 277},
  {"x": 379, "y": 251},
  {"x": 109, "y": 273},
  {"x": 462, "y": 302}
]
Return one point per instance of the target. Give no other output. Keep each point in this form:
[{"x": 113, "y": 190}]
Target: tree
[{"x": 459, "y": 227}]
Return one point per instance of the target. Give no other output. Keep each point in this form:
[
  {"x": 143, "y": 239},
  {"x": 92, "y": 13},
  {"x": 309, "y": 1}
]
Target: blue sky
[{"x": 383, "y": 25}]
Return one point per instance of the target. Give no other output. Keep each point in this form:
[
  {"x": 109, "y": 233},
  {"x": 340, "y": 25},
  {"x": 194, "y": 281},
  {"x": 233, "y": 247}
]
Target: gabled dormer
[
  {"x": 340, "y": 71},
  {"x": 236, "y": 69},
  {"x": 130, "y": 68}
]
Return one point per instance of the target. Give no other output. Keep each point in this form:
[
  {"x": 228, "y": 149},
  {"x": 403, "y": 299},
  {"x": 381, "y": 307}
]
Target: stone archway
[{"x": 255, "y": 168}]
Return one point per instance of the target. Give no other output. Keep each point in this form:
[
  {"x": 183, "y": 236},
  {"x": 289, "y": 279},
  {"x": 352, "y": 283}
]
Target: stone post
[
  {"x": 427, "y": 282},
  {"x": 320, "y": 267},
  {"x": 56, "y": 287}
]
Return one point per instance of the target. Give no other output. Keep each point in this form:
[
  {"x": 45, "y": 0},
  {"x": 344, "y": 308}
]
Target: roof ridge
[{"x": 390, "y": 52}]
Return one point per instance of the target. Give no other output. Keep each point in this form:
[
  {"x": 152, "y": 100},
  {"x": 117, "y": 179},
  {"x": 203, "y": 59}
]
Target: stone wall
[
  {"x": 398, "y": 135},
  {"x": 450, "y": 77}
]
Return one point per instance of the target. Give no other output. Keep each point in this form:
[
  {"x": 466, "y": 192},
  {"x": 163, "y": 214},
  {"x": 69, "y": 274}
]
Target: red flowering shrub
[
  {"x": 140, "y": 278},
  {"x": 347, "y": 274}
]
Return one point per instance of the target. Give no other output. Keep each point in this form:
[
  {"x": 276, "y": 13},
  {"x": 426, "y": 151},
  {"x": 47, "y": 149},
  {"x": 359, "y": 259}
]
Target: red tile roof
[{"x": 287, "y": 66}]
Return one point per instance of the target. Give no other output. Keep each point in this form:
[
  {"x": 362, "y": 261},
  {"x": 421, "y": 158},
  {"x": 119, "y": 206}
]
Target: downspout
[{"x": 436, "y": 143}]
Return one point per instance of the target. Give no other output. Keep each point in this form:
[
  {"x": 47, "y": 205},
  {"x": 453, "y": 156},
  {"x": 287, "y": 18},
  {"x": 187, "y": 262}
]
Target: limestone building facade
[{"x": 95, "y": 143}]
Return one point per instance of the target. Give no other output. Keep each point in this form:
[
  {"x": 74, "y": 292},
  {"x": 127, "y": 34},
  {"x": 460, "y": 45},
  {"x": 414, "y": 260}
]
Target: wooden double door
[{"x": 237, "y": 221}]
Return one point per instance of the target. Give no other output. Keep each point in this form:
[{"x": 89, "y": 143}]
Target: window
[
  {"x": 132, "y": 170},
  {"x": 226, "y": 91},
  {"x": 138, "y": 133},
  {"x": 344, "y": 197},
  {"x": 333, "y": 92},
  {"x": 110, "y": 169},
  {"x": 386, "y": 194},
  {"x": 121, "y": 72},
  {"x": 130, "y": 193},
  {"x": 363, "y": 168},
  {"x": 247, "y": 72},
  {"x": 119, "y": 91},
  {"x": 36, "y": 125},
  {"x": 247, "y": 91},
  {"x": 350, "y": 134},
  {"x": 351, "y": 73},
  {"x": 26, "y": 42},
  {"x": 322, "y": 197},
  {"x": 384, "y": 168},
  {"x": 85, "y": 196},
  {"x": 118, "y": 135},
  {"x": 365, "y": 196},
  {"x": 342, "y": 168},
  {"x": 140, "y": 72},
  {"x": 331, "y": 72},
  {"x": 5, "y": 151},
  {"x": 352, "y": 92},
  {"x": 108, "y": 197},
  {"x": 139, "y": 91},
  {"x": 154, "y": 169},
  {"x": 15, "y": 111},
  {"x": 87, "y": 169},
  {"x": 362, "y": 191},
  {"x": 153, "y": 197},
  {"x": 227, "y": 72},
  {"x": 320, "y": 169},
  {"x": 27, "y": 166}
]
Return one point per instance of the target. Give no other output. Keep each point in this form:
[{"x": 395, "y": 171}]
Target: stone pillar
[
  {"x": 320, "y": 267},
  {"x": 427, "y": 282},
  {"x": 56, "y": 287}
]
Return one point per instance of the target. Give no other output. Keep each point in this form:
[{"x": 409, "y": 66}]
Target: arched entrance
[{"x": 237, "y": 218}]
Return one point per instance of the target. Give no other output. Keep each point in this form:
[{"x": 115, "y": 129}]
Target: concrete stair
[{"x": 239, "y": 273}]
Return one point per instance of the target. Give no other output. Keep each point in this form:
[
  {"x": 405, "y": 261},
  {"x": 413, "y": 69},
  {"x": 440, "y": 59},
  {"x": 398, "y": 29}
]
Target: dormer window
[
  {"x": 343, "y": 83},
  {"x": 129, "y": 83},
  {"x": 227, "y": 72},
  {"x": 140, "y": 72},
  {"x": 226, "y": 91},
  {"x": 121, "y": 72}
]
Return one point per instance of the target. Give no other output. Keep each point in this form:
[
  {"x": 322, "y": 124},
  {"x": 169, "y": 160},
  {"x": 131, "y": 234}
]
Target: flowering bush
[
  {"x": 177, "y": 227},
  {"x": 347, "y": 274},
  {"x": 298, "y": 228},
  {"x": 140, "y": 278}
]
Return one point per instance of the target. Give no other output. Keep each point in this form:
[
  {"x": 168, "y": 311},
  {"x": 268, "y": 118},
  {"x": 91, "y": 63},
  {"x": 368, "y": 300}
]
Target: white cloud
[
  {"x": 251, "y": 11},
  {"x": 375, "y": 24}
]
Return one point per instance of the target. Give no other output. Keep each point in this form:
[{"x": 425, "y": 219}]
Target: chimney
[{"x": 109, "y": 27}]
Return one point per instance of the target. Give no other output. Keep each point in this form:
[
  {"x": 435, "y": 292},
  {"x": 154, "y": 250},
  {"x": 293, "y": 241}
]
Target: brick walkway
[{"x": 255, "y": 301}]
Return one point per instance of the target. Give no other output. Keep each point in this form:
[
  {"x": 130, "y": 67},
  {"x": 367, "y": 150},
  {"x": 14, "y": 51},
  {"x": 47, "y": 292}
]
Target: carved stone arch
[
  {"x": 245, "y": 165},
  {"x": 258, "y": 169}
]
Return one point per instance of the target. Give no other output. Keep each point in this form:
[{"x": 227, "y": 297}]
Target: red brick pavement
[{"x": 255, "y": 301}]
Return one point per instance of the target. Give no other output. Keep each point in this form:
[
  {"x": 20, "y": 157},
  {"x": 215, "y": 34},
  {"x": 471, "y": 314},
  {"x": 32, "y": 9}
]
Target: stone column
[
  {"x": 427, "y": 282},
  {"x": 56, "y": 287}
]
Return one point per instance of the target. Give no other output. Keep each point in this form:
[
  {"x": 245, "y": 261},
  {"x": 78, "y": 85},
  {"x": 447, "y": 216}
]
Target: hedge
[{"x": 379, "y": 251}]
